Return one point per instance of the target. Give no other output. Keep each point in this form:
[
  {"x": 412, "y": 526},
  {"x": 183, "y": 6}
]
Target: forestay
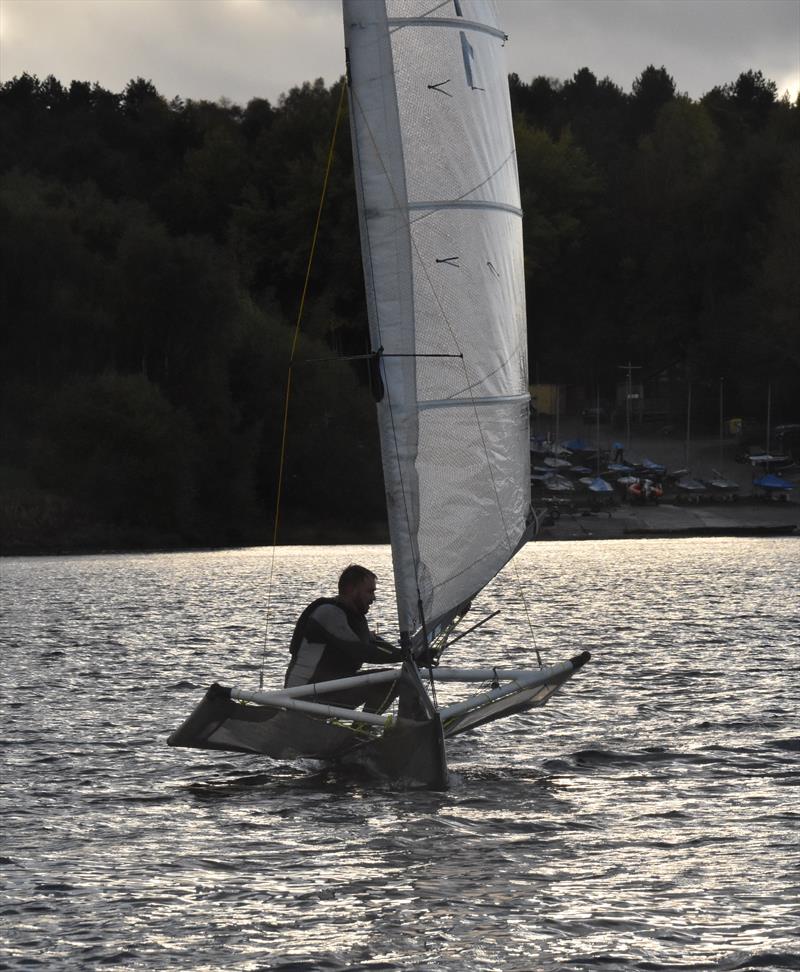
[{"x": 441, "y": 230}]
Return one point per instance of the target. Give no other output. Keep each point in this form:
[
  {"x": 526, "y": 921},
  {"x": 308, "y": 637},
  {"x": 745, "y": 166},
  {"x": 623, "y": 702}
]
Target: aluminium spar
[{"x": 441, "y": 230}]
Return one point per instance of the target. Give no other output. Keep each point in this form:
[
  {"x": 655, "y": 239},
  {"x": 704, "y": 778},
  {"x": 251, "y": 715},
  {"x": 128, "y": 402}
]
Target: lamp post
[{"x": 628, "y": 396}]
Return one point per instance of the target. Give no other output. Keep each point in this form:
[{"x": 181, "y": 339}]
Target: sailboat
[{"x": 441, "y": 234}]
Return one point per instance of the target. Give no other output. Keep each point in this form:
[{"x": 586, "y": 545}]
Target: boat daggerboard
[{"x": 441, "y": 233}]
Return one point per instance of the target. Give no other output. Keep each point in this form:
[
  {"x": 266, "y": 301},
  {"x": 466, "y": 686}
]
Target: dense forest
[{"x": 154, "y": 253}]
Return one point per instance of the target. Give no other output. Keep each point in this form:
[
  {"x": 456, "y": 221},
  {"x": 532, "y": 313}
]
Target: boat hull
[
  {"x": 412, "y": 754},
  {"x": 408, "y": 749},
  {"x": 222, "y": 723},
  {"x": 409, "y": 752}
]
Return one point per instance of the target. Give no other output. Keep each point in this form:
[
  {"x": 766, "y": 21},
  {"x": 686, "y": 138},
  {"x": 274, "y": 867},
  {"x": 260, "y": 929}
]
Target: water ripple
[{"x": 645, "y": 820}]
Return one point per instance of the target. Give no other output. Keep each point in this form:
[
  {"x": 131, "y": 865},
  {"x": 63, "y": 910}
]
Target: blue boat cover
[{"x": 771, "y": 481}]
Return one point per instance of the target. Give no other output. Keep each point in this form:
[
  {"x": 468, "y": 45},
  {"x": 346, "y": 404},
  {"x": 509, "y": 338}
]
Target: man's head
[{"x": 357, "y": 588}]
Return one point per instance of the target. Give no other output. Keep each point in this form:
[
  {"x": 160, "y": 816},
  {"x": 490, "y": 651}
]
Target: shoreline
[
  {"x": 662, "y": 521},
  {"x": 703, "y": 457},
  {"x": 667, "y": 520},
  {"x": 748, "y": 516}
]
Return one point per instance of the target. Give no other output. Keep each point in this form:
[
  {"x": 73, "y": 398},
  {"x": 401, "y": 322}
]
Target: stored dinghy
[{"x": 723, "y": 487}]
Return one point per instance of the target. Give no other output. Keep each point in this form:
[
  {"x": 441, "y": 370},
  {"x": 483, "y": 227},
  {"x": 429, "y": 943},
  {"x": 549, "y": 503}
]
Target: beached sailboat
[{"x": 441, "y": 232}]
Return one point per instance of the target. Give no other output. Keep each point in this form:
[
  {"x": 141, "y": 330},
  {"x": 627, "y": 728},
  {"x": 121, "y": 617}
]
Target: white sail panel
[{"x": 442, "y": 245}]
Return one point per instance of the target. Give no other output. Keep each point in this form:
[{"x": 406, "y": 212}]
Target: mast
[
  {"x": 441, "y": 239},
  {"x": 769, "y": 414},
  {"x": 688, "y": 421},
  {"x": 629, "y": 368},
  {"x": 597, "y": 432},
  {"x": 558, "y": 432}
]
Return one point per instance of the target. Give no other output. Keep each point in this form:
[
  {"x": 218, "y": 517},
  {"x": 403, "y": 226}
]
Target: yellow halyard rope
[{"x": 312, "y": 251}]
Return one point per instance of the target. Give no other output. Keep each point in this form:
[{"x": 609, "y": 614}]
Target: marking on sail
[
  {"x": 492, "y": 267},
  {"x": 450, "y": 261},
  {"x": 468, "y": 53},
  {"x": 439, "y": 86}
]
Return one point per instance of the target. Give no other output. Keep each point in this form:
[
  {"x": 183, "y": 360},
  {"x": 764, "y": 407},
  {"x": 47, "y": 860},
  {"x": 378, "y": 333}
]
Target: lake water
[{"x": 646, "y": 819}]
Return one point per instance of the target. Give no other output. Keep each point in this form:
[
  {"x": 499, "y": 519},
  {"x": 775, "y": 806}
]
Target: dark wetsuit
[{"x": 332, "y": 641}]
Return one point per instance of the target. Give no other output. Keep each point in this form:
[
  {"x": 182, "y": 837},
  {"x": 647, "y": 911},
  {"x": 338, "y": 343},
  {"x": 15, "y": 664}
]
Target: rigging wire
[{"x": 312, "y": 251}]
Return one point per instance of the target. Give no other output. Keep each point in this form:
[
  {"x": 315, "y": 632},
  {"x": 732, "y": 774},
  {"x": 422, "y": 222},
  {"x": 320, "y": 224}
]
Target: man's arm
[
  {"x": 389, "y": 651},
  {"x": 333, "y": 629}
]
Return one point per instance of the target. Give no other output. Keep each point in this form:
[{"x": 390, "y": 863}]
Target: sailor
[{"x": 332, "y": 640}]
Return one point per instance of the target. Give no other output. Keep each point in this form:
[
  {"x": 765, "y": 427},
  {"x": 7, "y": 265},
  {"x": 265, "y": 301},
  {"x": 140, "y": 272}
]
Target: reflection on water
[{"x": 646, "y": 819}]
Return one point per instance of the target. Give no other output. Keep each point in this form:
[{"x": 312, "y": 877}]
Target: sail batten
[
  {"x": 464, "y": 204},
  {"x": 457, "y": 23},
  {"x": 440, "y": 220},
  {"x": 468, "y": 402}
]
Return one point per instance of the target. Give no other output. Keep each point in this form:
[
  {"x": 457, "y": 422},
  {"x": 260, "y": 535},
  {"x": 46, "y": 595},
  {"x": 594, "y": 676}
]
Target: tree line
[{"x": 154, "y": 252}]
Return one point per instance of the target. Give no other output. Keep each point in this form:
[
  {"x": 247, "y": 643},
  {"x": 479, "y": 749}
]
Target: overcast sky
[{"x": 241, "y": 49}]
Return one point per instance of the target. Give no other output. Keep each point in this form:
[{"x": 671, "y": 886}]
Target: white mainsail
[{"x": 441, "y": 231}]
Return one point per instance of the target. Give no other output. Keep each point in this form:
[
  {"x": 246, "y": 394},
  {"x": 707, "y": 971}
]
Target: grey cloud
[
  {"x": 242, "y": 49},
  {"x": 702, "y": 43}
]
